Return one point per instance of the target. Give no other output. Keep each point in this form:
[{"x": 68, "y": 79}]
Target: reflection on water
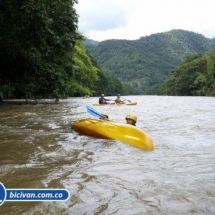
[{"x": 39, "y": 150}]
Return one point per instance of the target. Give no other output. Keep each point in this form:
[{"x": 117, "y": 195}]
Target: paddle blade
[
  {"x": 129, "y": 101},
  {"x": 93, "y": 112}
]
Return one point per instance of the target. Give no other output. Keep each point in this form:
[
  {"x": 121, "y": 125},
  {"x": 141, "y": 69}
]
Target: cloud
[
  {"x": 101, "y": 15},
  {"x": 126, "y": 19}
]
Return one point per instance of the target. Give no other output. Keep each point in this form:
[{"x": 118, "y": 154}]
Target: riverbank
[{"x": 32, "y": 101}]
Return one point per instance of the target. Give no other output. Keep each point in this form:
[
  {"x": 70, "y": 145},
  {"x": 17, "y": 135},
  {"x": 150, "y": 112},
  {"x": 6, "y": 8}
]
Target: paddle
[
  {"x": 94, "y": 112},
  {"x": 127, "y": 100}
]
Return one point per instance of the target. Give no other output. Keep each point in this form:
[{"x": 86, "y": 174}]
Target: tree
[
  {"x": 195, "y": 77},
  {"x": 37, "y": 40},
  {"x": 84, "y": 73}
]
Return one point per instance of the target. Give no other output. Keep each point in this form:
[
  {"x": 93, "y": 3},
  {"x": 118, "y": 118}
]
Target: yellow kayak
[
  {"x": 132, "y": 103},
  {"x": 114, "y": 130}
]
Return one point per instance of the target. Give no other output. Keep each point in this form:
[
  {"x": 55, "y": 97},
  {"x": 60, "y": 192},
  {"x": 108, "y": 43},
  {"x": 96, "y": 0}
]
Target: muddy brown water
[{"x": 38, "y": 149}]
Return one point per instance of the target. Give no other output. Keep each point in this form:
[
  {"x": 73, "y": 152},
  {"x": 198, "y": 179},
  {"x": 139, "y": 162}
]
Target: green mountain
[
  {"x": 194, "y": 77},
  {"x": 143, "y": 63}
]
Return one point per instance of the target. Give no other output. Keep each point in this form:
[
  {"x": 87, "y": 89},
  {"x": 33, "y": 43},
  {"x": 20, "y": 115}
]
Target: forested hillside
[
  {"x": 194, "y": 77},
  {"x": 42, "y": 54},
  {"x": 141, "y": 64}
]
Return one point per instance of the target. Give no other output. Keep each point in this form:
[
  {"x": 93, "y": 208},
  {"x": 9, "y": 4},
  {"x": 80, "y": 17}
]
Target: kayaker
[
  {"x": 106, "y": 116},
  {"x": 131, "y": 119},
  {"x": 102, "y": 100},
  {"x": 119, "y": 100}
]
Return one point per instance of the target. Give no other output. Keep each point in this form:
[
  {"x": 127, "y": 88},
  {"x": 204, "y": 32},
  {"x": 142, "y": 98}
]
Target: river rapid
[{"x": 38, "y": 149}]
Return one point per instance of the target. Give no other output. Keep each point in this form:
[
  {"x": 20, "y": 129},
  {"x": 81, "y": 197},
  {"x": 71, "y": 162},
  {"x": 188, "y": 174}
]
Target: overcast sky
[{"x": 130, "y": 19}]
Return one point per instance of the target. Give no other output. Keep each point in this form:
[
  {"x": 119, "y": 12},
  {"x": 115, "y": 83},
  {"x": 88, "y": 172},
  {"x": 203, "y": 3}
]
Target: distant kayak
[
  {"x": 132, "y": 103},
  {"x": 114, "y": 130}
]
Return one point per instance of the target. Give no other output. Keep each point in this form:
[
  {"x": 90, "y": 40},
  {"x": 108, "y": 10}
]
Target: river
[{"x": 40, "y": 150}]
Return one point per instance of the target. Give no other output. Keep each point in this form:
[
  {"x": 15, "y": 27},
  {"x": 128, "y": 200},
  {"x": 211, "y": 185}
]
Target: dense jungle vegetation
[
  {"x": 42, "y": 54},
  {"x": 144, "y": 63},
  {"x": 194, "y": 77}
]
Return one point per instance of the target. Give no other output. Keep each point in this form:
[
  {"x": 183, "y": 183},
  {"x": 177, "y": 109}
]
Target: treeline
[
  {"x": 42, "y": 54},
  {"x": 194, "y": 77}
]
